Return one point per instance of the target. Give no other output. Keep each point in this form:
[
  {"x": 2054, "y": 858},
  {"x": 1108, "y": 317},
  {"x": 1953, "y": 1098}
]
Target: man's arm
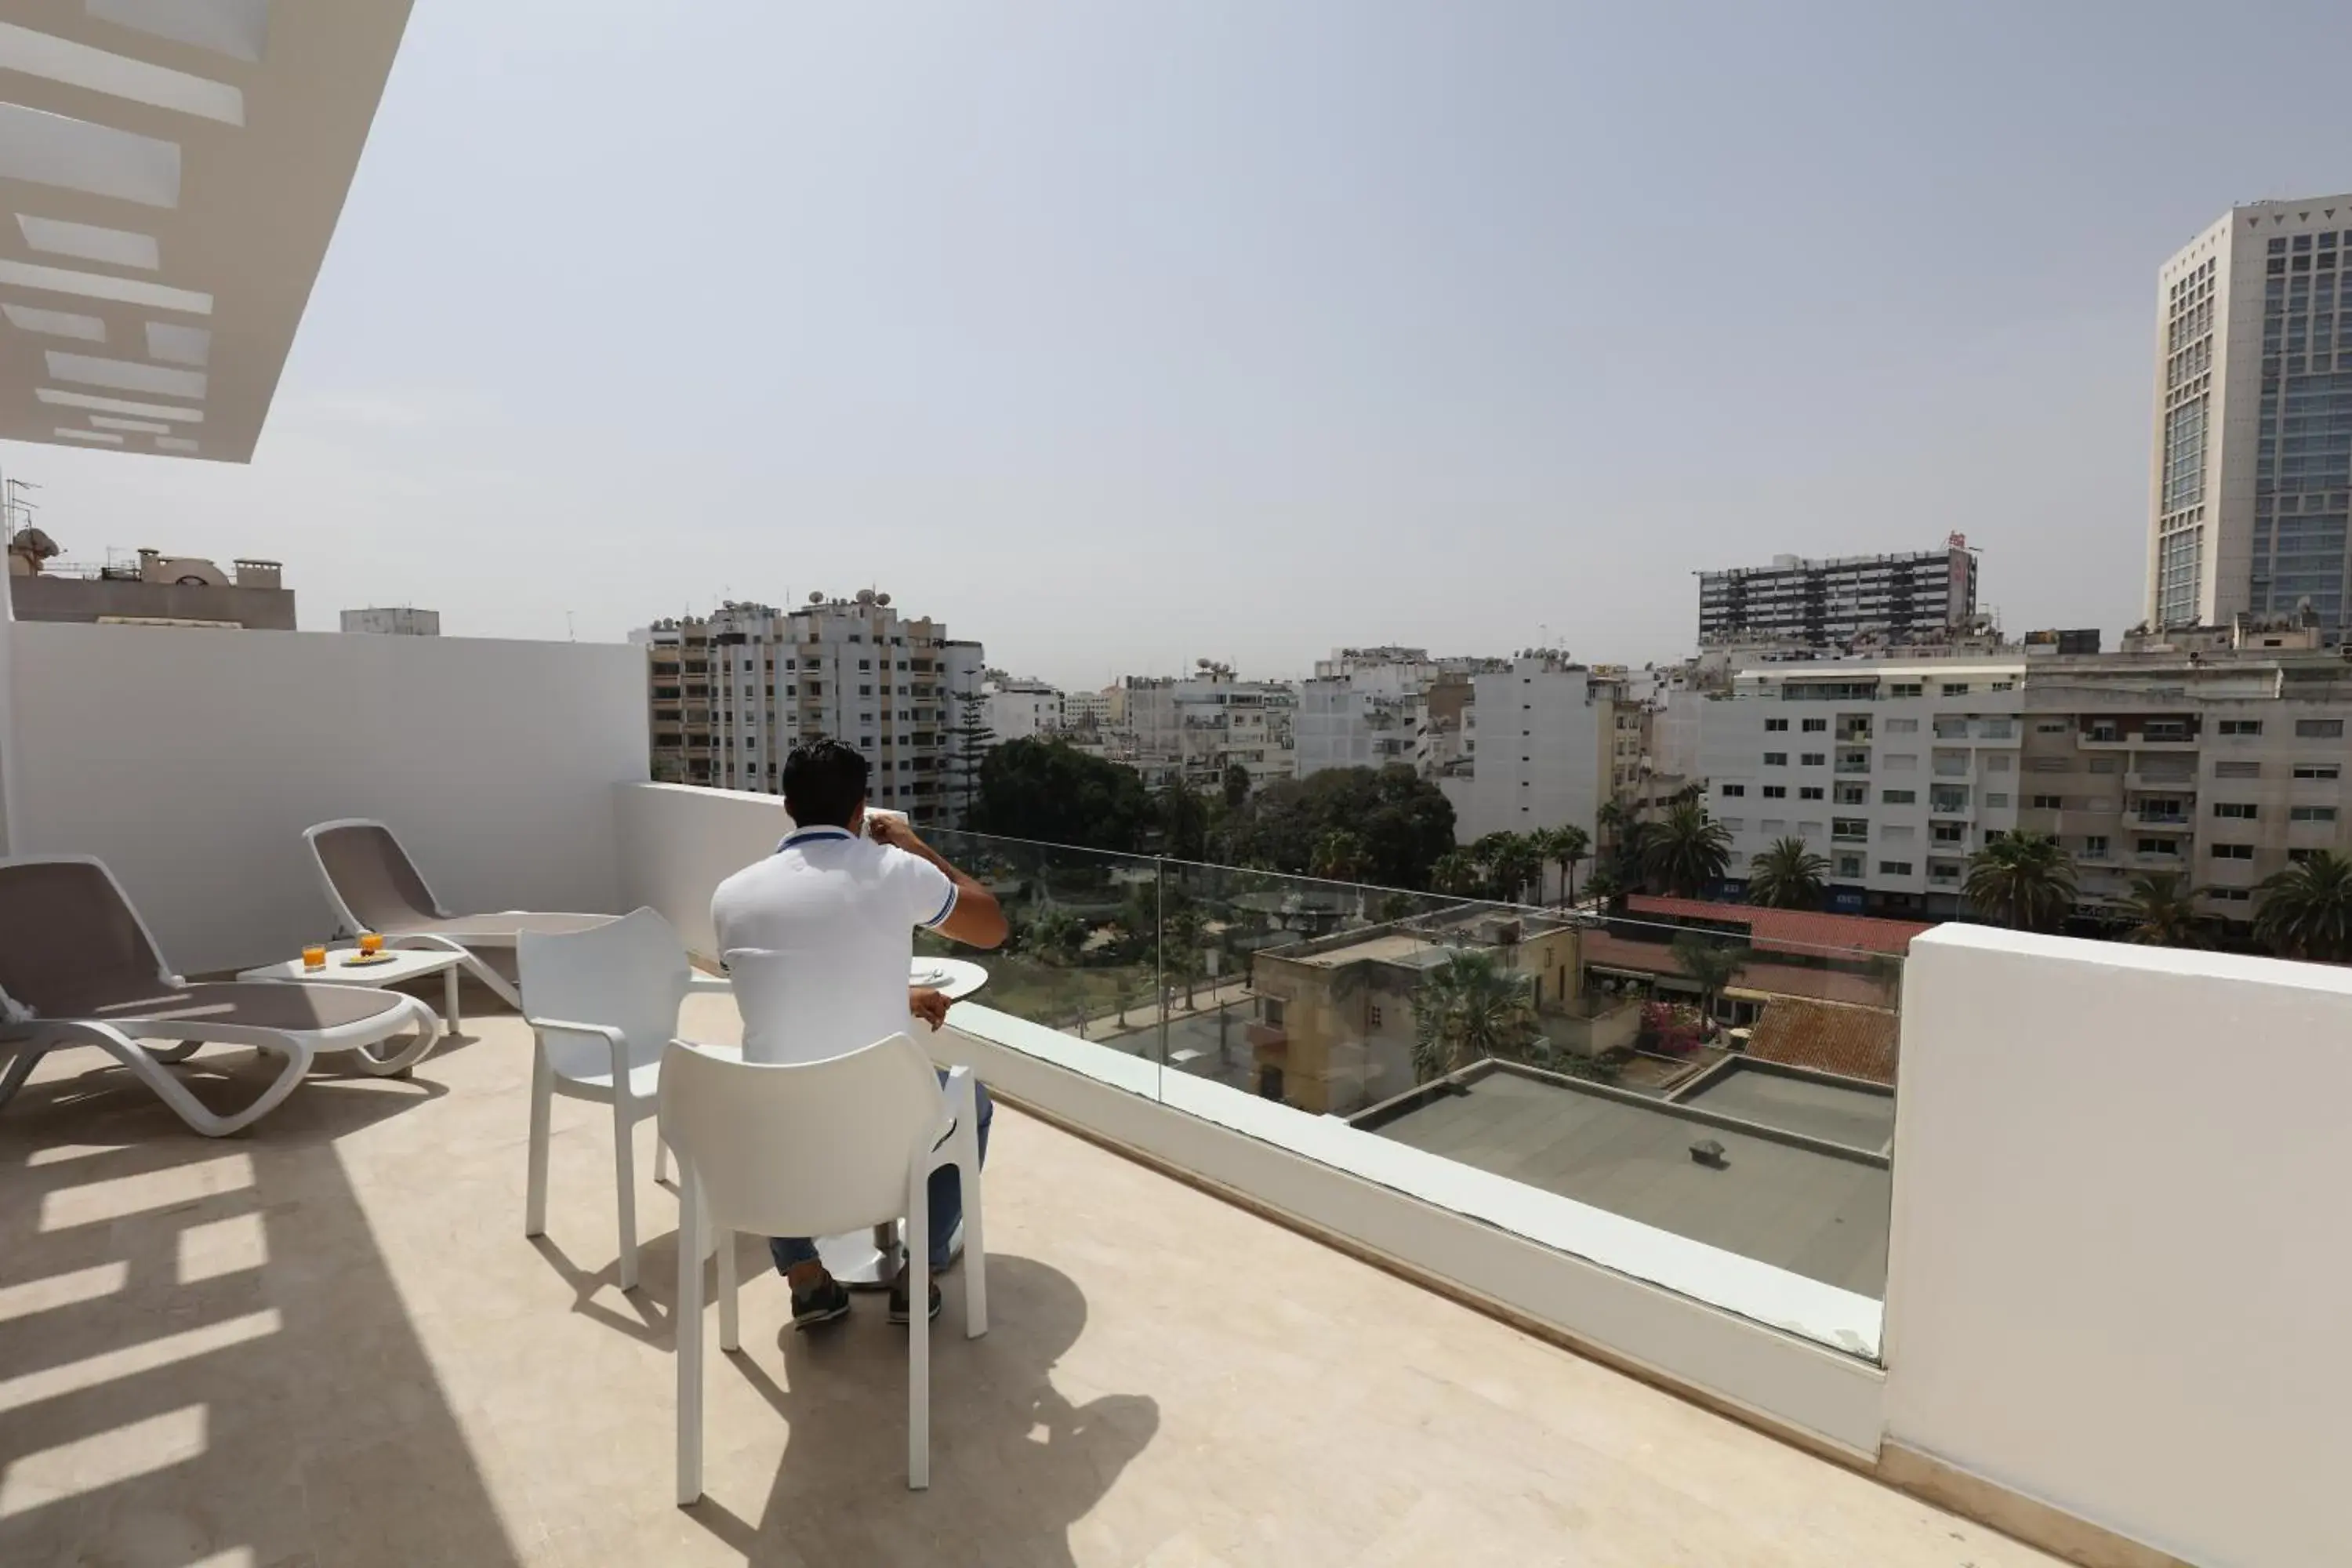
[{"x": 976, "y": 921}]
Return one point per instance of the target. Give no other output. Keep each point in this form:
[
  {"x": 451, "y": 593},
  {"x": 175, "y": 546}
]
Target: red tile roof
[
  {"x": 1858, "y": 1042},
  {"x": 1624, "y": 953},
  {"x": 1789, "y": 930}
]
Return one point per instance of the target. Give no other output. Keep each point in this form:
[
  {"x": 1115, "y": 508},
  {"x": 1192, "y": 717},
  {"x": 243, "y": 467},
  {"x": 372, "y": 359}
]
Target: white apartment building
[
  {"x": 1019, "y": 708},
  {"x": 2222, "y": 767},
  {"x": 730, "y": 695},
  {"x": 1830, "y": 603},
  {"x": 1193, "y": 727},
  {"x": 392, "y": 620},
  {"x": 1895, "y": 772},
  {"x": 1548, "y": 740},
  {"x": 2251, "y": 472},
  {"x": 1086, "y": 710},
  {"x": 1342, "y": 725}
]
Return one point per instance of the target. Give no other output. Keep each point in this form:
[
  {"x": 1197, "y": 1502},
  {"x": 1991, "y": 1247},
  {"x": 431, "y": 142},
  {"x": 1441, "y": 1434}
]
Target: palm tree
[
  {"x": 1180, "y": 949},
  {"x": 1611, "y": 820},
  {"x": 1513, "y": 861},
  {"x": 2306, "y": 910},
  {"x": 2163, "y": 912},
  {"x": 2023, "y": 880},
  {"x": 1602, "y": 885},
  {"x": 1788, "y": 876},
  {"x": 1339, "y": 855},
  {"x": 1711, "y": 964},
  {"x": 1685, "y": 849},
  {"x": 1456, "y": 873},
  {"x": 1468, "y": 1008},
  {"x": 1565, "y": 845}
]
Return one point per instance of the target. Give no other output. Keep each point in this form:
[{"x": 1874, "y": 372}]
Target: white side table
[{"x": 406, "y": 963}]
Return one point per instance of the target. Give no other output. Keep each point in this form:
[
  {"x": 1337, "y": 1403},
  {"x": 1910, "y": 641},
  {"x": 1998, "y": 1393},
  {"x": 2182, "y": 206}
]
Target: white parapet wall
[
  {"x": 191, "y": 759},
  {"x": 678, "y": 842},
  {"x": 2119, "y": 1278}
]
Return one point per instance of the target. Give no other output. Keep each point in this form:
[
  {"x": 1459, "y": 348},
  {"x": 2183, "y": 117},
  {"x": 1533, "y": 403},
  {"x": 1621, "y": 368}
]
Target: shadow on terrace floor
[{"x": 203, "y": 1356}]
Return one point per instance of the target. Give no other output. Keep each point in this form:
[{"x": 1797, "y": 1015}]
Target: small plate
[
  {"x": 934, "y": 978},
  {"x": 360, "y": 961}
]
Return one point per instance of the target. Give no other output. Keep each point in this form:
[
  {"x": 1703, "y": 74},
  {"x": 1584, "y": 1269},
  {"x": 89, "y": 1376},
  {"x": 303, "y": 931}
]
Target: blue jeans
[{"x": 946, "y": 1203}]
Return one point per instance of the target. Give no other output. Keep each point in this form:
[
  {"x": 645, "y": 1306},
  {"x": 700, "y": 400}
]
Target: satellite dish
[
  {"x": 882, "y": 598},
  {"x": 817, "y": 597},
  {"x": 864, "y": 595}
]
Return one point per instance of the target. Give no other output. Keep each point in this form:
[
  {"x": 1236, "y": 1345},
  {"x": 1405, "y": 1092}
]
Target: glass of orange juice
[
  {"x": 315, "y": 956},
  {"x": 371, "y": 944}
]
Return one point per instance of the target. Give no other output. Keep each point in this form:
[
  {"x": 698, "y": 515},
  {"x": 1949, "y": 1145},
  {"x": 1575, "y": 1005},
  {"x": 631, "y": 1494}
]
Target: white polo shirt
[{"x": 819, "y": 937}]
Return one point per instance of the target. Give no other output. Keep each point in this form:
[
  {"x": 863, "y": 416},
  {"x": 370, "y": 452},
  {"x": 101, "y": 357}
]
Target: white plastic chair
[
  {"x": 816, "y": 1149},
  {"x": 602, "y": 1004}
]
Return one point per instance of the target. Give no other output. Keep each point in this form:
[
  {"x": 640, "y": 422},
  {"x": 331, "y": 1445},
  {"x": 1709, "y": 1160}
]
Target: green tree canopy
[
  {"x": 1405, "y": 823},
  {"x": 1685, "y": 849},
  {"x": 2023, "y": 880},
  {"x": 1565, "y": 845},
  {"x": 2306, "y": 910},
  {"x": 2162, "y": 909},
  {"x": 1788, "y": 876},
  {"x": 1044, "y": 789},
  {"x": 1467, "y": 1007}
]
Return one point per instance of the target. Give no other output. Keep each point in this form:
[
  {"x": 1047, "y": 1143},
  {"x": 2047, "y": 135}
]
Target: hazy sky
[{"x": 1121, "y": 334}]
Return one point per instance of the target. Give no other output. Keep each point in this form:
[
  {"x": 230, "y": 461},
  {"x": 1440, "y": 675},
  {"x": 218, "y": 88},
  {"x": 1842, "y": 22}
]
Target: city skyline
[{"x": 1118, "y": 400}]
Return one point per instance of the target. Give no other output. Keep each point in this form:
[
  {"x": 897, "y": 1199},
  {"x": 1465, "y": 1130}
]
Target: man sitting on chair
[{"x": 834, "y": 912}]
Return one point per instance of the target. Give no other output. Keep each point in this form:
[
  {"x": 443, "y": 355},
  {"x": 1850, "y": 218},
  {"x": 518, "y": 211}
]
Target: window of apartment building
[
  {"x": 1813, "y": 760},
  {"x": 1995, "y": 835},
  {"x": 1776, "y": 791},
  {"x": 1810, "y": 791},
  {"x": 1904, "y": 688},
  {"x": 1815, "y": 726},
  {"x": 2242, "y": 810},
  {"x": 2164, "y": 729},
  {"x": 1733, "y": 823},
  {"x": 1956, "y": 689},
  {"x": 2241, "y": 726},
  {"x": 2050, "y": 764},
  {"x": 2311, "y": 813},
  {"x": 1894, "y": 868},
  {"x": 1776, "y": 759},
  {"x": 1897, "y": 833},
  {"x": 1849, "y": 865},
  {"x": 2228, "y": 895},
  {"x": 2233, "y": 852},
  {"x": 1269, "y": 1010},
  {"x": 1734, "y": 791},
  {"x": 1996, "y": 801},
  {"x": 2048, "y": 803},
  {"x": 2105, "y": 730},
  {"x": 864, "y": 664},
  {"x": 2315, "y": 770},
  {"x": 865, "y": 691},
  {"x": 2049, "y": 727},
  {"x": 2320, "y": 729},
  {"x": 2301, "y": 856},
  {"x": 2004, "y": 686},
  {"x": 1775, "y": 724},
  {"x": 1899, "y": 763},
  {"x": 1853, "y": 794},
  {"x": 1999, "y": 763},
  {"x": 1903, "y": 726},
  {"x": 2237, "y": 769},
  {"x": 2095, "y": 845},
  {"x": 2157, "y": 846},
  {"x": 2106, "y": 764}
]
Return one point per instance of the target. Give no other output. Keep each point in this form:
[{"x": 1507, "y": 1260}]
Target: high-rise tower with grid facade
[{"x": 2251, "y": 470}]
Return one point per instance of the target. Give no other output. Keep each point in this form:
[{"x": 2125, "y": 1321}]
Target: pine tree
[{"x": 968, "y": 741}]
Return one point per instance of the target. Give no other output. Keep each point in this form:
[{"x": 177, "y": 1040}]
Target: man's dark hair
[{"x": 824, "y": 784}]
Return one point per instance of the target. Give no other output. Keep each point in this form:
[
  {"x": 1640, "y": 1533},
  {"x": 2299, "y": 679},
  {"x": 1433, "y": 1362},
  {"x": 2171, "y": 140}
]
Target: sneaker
[
  {"x": 898, "y": 1313},
  {"x": 822, "y": 1304}
]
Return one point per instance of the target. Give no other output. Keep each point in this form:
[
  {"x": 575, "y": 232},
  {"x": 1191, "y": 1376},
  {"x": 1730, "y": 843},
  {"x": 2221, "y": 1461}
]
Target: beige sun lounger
[
  {"x": 78, "y": 967},
  {"x": 372, "y": 886}
]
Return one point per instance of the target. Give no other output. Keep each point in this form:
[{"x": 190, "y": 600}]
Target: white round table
[{"x": 870, "y": 1261}]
